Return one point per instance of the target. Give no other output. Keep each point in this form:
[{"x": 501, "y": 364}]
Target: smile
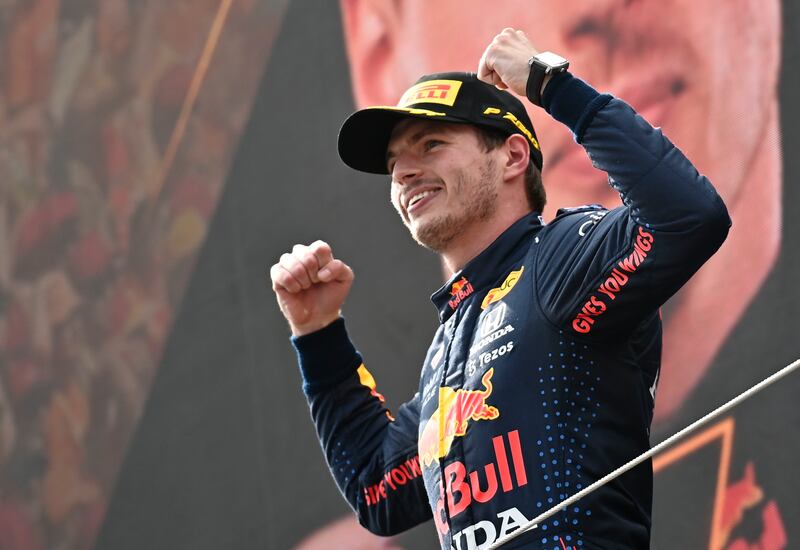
[{"x": 419, "y": 198}]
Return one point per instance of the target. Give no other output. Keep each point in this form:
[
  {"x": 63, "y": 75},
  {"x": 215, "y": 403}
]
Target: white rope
[{"x": 641, "y": 458}]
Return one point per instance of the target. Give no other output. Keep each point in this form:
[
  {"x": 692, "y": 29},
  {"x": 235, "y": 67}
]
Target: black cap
[{"x": 449, "y": 97}]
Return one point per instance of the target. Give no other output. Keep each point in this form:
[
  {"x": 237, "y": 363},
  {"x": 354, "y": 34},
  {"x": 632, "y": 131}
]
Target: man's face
[
  {"x": 680, "y": 63},
  {"x": 443, "y": 181}
]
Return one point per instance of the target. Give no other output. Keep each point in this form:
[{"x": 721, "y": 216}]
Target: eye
[{"x": 431, "y": 143}]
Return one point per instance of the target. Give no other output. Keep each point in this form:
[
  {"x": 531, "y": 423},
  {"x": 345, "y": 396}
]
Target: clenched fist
[
  {"x": 311, "y": 286},
  {"x": 504, "y": 63}
]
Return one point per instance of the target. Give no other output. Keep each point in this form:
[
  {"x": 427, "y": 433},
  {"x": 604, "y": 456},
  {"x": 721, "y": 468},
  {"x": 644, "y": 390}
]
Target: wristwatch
[{"x": 542, "y": 64}]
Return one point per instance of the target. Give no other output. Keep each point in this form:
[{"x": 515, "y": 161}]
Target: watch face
[{"x": 551, "y": 59}]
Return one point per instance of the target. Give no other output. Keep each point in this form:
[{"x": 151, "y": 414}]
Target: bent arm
[
  {"x": 660, "y": 186},
  {"x": 372, "y": 455},
  {"x": 626, "y": 263}
]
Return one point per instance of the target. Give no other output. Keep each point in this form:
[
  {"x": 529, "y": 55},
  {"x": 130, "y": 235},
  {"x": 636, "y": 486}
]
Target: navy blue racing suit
[{"x": 541, "y": 377}]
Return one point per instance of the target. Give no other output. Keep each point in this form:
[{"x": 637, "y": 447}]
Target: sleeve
[
  {"x": 372, "y": 455},
  {"x": 604, "y": 272}
]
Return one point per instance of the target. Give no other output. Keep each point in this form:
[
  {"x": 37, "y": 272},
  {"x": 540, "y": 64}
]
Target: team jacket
[{"x": 541, "y": 377}]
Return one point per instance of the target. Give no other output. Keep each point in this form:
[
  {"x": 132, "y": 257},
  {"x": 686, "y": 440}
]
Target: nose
[
  {"x": 593, "y": 34},
  {"x": 405, "y": 170}
]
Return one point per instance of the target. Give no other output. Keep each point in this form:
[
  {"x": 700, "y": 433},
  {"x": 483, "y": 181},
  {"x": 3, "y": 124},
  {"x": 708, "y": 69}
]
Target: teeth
[{"x": 416, "y": 198}]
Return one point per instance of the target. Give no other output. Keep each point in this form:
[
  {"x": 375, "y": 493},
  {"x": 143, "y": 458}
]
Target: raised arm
[
  {"x": 607, "y": 271},
  {"x": 371, "y": 454}
]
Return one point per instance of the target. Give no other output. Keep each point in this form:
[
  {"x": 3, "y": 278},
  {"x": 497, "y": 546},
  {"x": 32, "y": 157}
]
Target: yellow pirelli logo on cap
[
  {"x": 494, "y": 111},
  {"x": 443, "y": 92}
]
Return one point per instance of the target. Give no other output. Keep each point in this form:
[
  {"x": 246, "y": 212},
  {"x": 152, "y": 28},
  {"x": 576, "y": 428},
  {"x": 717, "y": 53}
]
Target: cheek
[{"x": 394, "y": 198}]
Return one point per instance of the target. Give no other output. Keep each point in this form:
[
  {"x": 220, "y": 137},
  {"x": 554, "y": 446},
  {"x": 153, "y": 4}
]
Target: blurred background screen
[{"x": 158, "y": 157}]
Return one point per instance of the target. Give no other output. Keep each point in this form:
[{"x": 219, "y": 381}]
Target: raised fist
[
  {"x": 311, "y": 286},
  {"x": 504, "y": 63}
]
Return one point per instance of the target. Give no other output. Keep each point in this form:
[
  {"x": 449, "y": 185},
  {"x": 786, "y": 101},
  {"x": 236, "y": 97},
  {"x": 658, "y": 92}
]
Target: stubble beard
[{"x": 479, "y": 203}]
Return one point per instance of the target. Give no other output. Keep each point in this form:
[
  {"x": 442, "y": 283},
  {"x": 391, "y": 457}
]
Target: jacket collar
[{"x": 486, "y": 267}]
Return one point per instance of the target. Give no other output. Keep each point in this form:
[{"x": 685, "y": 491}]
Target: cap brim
[{"x": 364, "y": 136}]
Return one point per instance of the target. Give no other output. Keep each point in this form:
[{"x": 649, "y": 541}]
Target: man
[
  {"x": 541, "y": 377},
  {"x": 661, "y": 57}
]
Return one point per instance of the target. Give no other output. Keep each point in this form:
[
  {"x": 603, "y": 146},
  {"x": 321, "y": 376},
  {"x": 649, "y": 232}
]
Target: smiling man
[
  {"x": 461, "y": 218},
  {"x": 707, "y": 72},
  {"x": 539, "y": 379}
]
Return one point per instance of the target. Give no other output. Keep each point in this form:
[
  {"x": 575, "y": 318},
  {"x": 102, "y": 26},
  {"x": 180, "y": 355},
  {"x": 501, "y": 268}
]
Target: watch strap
[{"x": 533, "y": 89}]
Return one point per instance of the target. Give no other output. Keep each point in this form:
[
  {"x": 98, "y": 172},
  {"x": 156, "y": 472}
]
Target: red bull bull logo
[
  {"x": 451, "y": 418},
  {"x": 366, "y": 379},
  {"x": 459, "y": 291}
]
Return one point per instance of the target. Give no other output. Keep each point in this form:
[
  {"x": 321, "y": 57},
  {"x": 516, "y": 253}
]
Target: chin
[
  {"x": 436, "y": 233},
  {"x": 425, "y": 237}
]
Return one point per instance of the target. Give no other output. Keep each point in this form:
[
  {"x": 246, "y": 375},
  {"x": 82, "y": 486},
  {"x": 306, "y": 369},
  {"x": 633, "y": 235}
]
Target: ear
[
  {"x": 371, "y": 29},
  {"x": 517, "y": 157}
]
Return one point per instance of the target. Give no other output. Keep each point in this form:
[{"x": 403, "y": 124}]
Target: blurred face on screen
[{"x": 704, "y": 71}]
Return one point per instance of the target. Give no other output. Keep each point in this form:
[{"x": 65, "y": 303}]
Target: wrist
[
  {"x": 546, "y": 81},
  {"x": 543, "y": 66},
  {"x": 326, "y": 356},
  {"x": 313, "y": 326}
]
